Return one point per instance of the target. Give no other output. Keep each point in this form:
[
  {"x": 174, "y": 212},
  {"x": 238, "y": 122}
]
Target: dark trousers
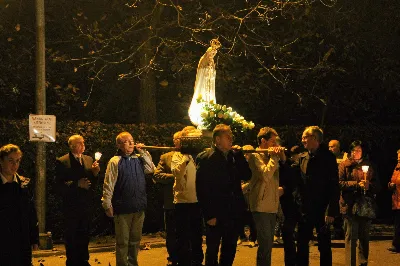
[
  {"x": 396, "y": 236},
  {"x": 189, "y": 233},
  {"x": 76, "y": 237},
  {"x": 292, "y": 217},
  {"x": 227, "y": 231},
  {"x": 289, "y": 244},
  {"x": 170, "y": 230},
  {"x": 306, "y": 226}
]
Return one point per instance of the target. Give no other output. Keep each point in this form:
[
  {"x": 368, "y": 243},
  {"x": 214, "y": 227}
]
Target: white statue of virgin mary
[{"x": 204, "y": 86}]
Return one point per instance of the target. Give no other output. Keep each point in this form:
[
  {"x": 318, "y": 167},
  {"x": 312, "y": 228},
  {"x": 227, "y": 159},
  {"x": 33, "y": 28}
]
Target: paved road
[{"x": 245, "y": 256}]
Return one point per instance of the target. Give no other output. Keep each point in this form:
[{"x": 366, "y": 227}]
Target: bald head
[{"x": 334, "y": 147}]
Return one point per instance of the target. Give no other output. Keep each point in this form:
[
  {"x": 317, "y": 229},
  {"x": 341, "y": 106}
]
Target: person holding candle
[
  {"x": 19, "y": 232},
  {"x": 394, "y": 186},
  {"x": 357, "y": 179},
  {"x": 74, "y": 175}
]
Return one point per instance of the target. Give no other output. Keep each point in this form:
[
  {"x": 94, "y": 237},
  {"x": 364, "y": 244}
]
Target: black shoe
[{"x": 393, "y": 249}]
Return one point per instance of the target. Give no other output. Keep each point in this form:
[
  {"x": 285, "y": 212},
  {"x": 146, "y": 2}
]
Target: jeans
[
  {"x": 357, "y": 228},
  {"x": 265, "y": 224},
  {"x": 128, "y": 233}
]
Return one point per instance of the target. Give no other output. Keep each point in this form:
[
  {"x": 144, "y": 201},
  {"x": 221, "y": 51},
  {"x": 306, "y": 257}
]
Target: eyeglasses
[
  {"x": 128, "y": 142},
  {"x": 306, "y": 137}
]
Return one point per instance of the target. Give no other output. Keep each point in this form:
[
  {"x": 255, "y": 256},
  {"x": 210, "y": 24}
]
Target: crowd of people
[{"x": 216, "y": 192}]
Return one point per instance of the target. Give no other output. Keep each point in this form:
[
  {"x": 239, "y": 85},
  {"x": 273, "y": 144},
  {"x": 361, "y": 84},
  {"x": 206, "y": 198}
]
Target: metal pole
[{"x": 40, "y": 110}]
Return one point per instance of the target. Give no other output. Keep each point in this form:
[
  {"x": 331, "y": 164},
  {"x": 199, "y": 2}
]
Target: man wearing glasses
[
  {"x": 317, "y": 196},
  {"x": 124, "y": 196}
]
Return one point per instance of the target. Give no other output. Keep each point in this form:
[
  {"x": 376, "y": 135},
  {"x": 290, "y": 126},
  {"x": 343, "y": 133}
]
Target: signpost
[{"x": 42, "y": 128}]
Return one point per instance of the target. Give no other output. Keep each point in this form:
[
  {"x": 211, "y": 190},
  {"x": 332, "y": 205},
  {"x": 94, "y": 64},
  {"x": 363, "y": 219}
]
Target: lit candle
[
  {"x": 365, "y": 170},
  {"x": 97, "y": 156}
]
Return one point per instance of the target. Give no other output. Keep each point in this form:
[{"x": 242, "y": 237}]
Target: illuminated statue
[{"x": 204, "y": 86}]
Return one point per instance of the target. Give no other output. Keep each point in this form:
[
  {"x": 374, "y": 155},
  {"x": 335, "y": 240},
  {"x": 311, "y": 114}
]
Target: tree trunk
[
  {"x": 147, "y": 97},
  {"x": 148, "y": 83}
]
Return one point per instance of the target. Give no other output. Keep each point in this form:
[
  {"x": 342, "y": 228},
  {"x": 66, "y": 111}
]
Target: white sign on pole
[{"x": 42, "y": 128}]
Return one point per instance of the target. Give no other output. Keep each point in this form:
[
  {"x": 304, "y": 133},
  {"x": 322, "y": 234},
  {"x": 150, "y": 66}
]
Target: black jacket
[
  {"x": 18, "y": 223},
  {"x": 68, "y": 173},
  {"x": 218, "y": 184},
  {"x": 316, "y": 180}
]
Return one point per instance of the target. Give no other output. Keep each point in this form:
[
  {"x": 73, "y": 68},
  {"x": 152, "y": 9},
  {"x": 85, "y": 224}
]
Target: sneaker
[{"x": 393, "y": 249}]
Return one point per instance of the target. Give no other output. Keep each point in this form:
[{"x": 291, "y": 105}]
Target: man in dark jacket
[
  {"x": 163, "y": 176},
  {"x": 218, "y": 186},
  {"x": 74, "y": 174},
  {"x": 19, "y": 232},
  {"x": 317, "y": 195}
]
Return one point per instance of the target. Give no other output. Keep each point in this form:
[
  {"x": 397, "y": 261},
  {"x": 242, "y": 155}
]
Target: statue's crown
[{"x": 215, "y": 44}]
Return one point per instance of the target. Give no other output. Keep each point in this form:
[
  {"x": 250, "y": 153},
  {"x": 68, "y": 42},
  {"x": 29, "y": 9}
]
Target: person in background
[
  {"x": 394, "y": 185},
  {"x": 334, "y": 147},
  {"x": 19, "y": 231},
  {"x": 124, "y": 196},
  {"x": 289, "y": 208},
  {"x": 249, "y": 231},
  {"x": 75, "y": 173},
  {"x": 163, "y": 175},
  {"x": 355, "y": 185}
]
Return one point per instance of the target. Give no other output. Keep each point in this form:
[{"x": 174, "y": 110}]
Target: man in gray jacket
[
  {"x": 265, "y": 191},
  {"x": 124, "y": 196}
]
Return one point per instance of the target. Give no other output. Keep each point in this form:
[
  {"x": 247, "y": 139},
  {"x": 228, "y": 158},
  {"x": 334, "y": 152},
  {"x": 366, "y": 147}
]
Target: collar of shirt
[
  {"x": 77, "y": 156},
  {"x": 4, "y": 180}
]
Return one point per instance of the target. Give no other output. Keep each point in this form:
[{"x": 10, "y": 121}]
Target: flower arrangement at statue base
[{"x": 213, "y": 114}]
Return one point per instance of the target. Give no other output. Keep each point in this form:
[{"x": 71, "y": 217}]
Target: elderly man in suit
[{"x": 74, "y": 175}]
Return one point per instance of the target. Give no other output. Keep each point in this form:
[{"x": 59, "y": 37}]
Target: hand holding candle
[{"x": 95, "y": 165}]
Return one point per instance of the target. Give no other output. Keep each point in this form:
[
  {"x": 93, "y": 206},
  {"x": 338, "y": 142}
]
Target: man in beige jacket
[{"x": 265, "y": 191}]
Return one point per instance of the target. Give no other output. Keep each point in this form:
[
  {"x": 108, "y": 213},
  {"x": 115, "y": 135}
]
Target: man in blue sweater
[{"x": 124, "y": 196}]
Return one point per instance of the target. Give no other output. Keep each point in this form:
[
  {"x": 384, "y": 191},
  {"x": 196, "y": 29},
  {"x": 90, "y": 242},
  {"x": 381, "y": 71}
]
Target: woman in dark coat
[
  {"x": 18, "y": 221},
  {"x": 354, "y": 185}
]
